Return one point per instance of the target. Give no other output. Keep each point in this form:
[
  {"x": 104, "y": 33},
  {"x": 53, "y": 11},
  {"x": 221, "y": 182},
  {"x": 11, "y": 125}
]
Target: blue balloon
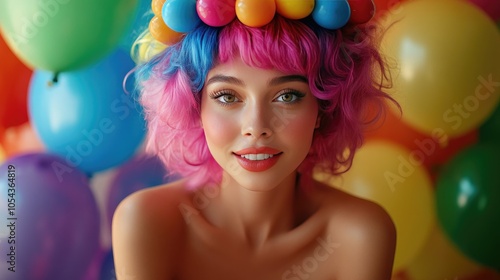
[
  {"x": 86, "y": 117},
  {"x": 51, "y": 220},
  {"x": 331, "y": 14},
  {"x": 108, "y": 267},
  {"x": 180, "y": 15}
]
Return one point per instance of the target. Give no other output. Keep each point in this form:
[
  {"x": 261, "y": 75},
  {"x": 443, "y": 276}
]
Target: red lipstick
[{"x": 257, "y": 159}]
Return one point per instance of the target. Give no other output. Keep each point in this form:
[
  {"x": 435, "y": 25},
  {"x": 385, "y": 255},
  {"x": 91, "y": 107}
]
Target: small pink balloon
[
  {"x": 490, "y": 7},
  {"x": 216, "y": 12}
]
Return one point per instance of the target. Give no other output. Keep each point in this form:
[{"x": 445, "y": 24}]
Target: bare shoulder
[
  {"x": 365, "y": 232},
  {"x": 147, "y": 232}
]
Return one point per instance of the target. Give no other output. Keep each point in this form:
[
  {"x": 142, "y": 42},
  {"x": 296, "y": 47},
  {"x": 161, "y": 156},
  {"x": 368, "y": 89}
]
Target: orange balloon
[
  {"x": 21, "y": 139},
  {"x": 162, "y": 33},
  {"x": 2, "y": 154},
  {"x": 432, "y": 150},
  {"x": 157, "y": 6},
  {"x": 255, "y": 13}
]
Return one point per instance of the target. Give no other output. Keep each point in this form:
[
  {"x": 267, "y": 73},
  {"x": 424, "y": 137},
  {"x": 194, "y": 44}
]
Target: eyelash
[
  {"x": 297, "y": 94},
  {"x": 218, "y": 94}
]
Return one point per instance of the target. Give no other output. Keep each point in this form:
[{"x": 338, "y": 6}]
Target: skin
[{"x": 254, "y": 225}]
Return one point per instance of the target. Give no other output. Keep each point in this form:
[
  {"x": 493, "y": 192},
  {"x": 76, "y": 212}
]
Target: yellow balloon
[
  {"x": 440, "y": 259},
  {"x": 448, "y": 64},
  {"x": 390, "y": 176},
  {"x": 294, "y": 9}
]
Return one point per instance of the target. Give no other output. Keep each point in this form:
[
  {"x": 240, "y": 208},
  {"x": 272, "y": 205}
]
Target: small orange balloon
[
  {"x": 255, "y": 13},
  {"x": 162, "y": 33},
  {"x": 157, "y": 6}
]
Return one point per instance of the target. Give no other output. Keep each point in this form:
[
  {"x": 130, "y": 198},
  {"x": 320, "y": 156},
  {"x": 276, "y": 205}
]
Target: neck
[{"x": 254, "y": 216}]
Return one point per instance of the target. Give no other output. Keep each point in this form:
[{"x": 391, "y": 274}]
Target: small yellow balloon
[
  {"x": 392, "y": 177},
  {"x": 440, "y": 259},
  {"x": 448, "y": 64},
  {"x": 294, "y": 9}
]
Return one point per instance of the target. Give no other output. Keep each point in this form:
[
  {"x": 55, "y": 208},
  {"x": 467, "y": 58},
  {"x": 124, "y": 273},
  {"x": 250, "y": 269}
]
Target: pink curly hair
[{"x": 339, "y": 66}]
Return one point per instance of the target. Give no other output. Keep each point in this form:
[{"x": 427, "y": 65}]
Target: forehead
[{"x": 238, "y": 68}]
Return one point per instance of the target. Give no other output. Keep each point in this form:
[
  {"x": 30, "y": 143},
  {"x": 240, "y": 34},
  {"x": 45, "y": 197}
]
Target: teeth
[{"x": 257, "y": 156}]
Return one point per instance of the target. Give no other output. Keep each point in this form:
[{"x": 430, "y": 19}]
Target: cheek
[
  {"x": 302, "y": 125},
  {"x": 218, "y": 131},
  {"x": 302, "y": 129}
]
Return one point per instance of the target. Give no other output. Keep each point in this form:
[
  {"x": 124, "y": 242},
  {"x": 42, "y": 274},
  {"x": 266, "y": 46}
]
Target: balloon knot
[{"x": 54, "y": 80}]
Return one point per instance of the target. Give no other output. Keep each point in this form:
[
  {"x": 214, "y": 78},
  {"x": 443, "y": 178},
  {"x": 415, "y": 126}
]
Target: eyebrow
[
  {"x": 287, "y": 79},
  {"x": 225, "y": 79},
  {"x": 273, "y": 82}
]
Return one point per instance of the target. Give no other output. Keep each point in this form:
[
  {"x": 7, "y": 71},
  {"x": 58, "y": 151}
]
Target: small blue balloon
[
  {"x": 180, "y": 15},
  {"x": 85, "y": 116},
  {"x": 331, "y": 14}
]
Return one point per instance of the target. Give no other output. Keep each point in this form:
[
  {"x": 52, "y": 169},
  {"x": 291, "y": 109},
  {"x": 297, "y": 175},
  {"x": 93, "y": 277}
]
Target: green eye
[
  {"x": 288, "y": 97},
  {"x": 228, "y": 98}
]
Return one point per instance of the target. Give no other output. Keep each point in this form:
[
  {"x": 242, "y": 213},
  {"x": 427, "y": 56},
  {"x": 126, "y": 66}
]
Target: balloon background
[{"x": 434, "y": 168}]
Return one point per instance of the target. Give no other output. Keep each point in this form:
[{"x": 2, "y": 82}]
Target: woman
[{"x": 245, "y": 114}]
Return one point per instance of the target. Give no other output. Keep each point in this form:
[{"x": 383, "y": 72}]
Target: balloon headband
[{"x": 173, "y": 18}]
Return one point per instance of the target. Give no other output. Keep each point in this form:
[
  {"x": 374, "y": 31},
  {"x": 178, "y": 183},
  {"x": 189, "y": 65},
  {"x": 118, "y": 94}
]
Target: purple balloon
[
  {"x": 53, "y": 218},
  {"x": 139, "y": 173}
]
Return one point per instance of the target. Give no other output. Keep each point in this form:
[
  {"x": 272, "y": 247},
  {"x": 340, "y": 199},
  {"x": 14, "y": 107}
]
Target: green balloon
[
  {"x": 489, "y": 131},
  {"x": 468, "y": 203},
  {"x": 62, "y": 35}
]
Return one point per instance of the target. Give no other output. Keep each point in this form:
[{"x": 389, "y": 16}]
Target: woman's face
[{"x": 258, "y": 123}]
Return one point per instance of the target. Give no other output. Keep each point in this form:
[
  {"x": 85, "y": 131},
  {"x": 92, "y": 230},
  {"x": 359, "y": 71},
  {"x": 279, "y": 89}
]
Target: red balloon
[
  {"x": 361, "y": 11},
  {"x": 485, "y": 274},
  {"x": 14, "y": 81},
  {"x": 384, "y": 6},
  {"x": 490, "y": 7}
]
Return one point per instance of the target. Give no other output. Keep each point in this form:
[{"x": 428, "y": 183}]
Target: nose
[{"x": 256, "y": 121}]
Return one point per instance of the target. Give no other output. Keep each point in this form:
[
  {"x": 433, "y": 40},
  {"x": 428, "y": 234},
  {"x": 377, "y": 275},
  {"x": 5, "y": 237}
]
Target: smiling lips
[{"x": 257, "y": 159}]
